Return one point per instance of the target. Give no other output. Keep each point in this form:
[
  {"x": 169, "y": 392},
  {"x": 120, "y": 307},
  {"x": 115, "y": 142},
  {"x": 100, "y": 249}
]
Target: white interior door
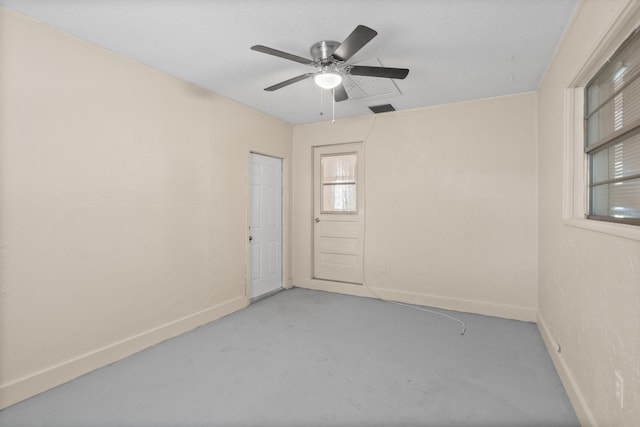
[
  {"x": 339, "y": 213},
  {"x": 265, "y": 230}
]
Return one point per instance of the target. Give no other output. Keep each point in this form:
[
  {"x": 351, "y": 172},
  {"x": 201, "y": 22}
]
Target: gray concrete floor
[{"x": 308, "y": 358}]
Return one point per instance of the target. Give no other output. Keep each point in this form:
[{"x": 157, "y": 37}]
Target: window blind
[{"x": 612, "y": 142}]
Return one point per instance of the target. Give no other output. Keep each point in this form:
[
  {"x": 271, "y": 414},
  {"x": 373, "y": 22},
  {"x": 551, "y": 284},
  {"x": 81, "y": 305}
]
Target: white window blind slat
[
  {"x": 619, "y": 200},
  {"x": 623, "y": 67},
  {"x": 619, "y": 160},
  {"x": 614, "y": 115}
]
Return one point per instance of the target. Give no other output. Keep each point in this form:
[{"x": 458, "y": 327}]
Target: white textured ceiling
[{"x": 456, "y": 50}]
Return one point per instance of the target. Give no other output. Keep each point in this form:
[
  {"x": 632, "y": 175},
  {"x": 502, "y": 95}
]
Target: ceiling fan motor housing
[{"x": 323, "y": 50}]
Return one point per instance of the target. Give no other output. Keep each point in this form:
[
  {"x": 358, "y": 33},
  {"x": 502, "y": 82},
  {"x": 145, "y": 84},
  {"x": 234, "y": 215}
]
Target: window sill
[{"x": 626, "y": 231}]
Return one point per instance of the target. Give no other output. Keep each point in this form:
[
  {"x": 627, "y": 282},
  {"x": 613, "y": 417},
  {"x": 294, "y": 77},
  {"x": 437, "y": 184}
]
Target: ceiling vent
[{"x": 384, "y": 108}]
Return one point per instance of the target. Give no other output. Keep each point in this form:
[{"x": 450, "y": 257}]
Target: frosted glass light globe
[{"x": 327, "y": 80}]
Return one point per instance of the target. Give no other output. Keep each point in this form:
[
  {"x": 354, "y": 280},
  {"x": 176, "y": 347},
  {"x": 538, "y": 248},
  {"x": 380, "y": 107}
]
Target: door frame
[{"x": 285, "y": 218}]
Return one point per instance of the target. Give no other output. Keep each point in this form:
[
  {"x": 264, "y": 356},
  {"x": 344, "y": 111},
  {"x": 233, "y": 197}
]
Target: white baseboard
[
  {"x": 61, "y": 373},
  {"x": 464, "y": 305},
  {"x": 337, "y": 287},
  {"x": 579, "y": 403}
]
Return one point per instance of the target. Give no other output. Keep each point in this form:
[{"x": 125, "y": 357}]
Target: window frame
[
  {"x": 609, "y": 140},
  {"x": 575, "y": 179}
]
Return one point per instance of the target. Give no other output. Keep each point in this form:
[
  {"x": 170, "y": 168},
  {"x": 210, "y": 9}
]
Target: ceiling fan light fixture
[{"x": 327, "y": 79}]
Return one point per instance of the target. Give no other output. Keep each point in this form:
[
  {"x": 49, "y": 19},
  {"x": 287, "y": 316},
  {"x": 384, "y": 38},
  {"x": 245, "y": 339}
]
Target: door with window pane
[{"x": 339, "y": 212}]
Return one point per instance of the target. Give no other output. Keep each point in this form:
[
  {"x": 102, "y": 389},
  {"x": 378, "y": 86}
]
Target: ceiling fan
[{"x": 330, "y": 60}]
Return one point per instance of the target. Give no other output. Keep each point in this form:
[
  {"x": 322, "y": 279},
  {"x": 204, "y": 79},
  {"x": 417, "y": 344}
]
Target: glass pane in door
[{"x": 339, "y": 186}]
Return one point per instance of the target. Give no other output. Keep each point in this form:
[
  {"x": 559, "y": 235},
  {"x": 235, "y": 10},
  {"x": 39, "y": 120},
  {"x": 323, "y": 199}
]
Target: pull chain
[{"x": 333, "y": 105}]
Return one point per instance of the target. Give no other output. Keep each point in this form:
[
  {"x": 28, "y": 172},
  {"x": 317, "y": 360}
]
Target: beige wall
[
  {"x": 451, "y": 216},
  {"x": 589, "y": 290},
  {"x": 124, "y": 198}
]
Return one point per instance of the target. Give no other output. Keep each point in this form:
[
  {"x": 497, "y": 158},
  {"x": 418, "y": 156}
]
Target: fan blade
[
  {"x": 281, "y": 54},
  {"x": 391, "y": 73},
  {"x": 289, "y": 82},
  {"x": 354, "y": 42},
  {"x": 340, "y": 93}
]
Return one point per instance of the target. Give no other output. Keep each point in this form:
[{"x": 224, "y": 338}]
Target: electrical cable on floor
[
  {"x": 464, "y": 327},
  {"x": 364, "y": 234}
]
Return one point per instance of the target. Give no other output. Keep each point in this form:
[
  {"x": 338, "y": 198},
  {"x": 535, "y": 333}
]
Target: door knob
[
  {"x": 250, "y": 238},
  {"x": 317, "y": 220}
]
